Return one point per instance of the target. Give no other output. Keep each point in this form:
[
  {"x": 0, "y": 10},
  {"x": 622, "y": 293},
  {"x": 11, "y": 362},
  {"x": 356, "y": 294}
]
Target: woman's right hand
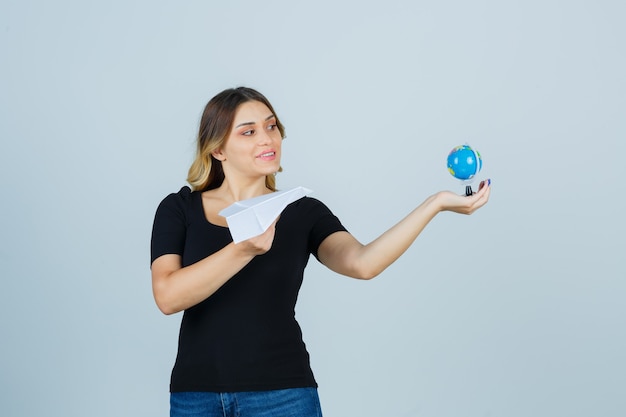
[
  {"x": 260, "y": 244},
  {"x": 177, "y": 288}
]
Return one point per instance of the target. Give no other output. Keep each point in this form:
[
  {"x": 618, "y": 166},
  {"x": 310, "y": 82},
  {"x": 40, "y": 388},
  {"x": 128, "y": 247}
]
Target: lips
[{"x": 267, "y": 155}]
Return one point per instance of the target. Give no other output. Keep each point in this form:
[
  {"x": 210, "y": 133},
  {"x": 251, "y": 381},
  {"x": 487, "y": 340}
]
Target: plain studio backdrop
[{"x": 517, "y": 310}]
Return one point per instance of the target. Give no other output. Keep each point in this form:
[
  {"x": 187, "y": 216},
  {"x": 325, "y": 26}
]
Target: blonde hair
[{"x": 206, "y": 172}]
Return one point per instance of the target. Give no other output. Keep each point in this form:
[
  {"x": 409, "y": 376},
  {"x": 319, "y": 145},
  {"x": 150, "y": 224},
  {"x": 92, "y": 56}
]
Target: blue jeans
[{"x": 294, "y": 402}]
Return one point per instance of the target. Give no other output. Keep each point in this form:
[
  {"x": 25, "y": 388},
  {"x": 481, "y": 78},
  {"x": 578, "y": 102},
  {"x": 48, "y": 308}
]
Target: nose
[{"x": 265, "y": 137}]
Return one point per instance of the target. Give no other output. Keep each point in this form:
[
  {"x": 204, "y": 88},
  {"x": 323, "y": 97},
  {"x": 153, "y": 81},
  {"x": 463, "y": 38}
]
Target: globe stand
[{"x": 468, "y": 190}]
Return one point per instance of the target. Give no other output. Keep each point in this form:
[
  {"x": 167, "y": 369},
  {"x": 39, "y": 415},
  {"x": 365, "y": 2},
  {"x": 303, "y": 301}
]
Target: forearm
[
  {"x": 376, "y": 256},
  {"x": 185, "y": 287}
]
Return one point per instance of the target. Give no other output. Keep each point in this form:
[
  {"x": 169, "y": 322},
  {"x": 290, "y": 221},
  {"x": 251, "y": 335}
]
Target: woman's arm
[
  {"x": 176, "y": 288},
  {"x": 342, "y": 253}
]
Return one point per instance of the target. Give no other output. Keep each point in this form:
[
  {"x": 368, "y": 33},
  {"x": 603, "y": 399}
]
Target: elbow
[
  {"x": 166, "y": 309},
  {"x": 369, "y": 276},
  {"x": 165, "y": 305},
  {"x": 367, "y": 266},
  {"x": 366, "y": 273}
]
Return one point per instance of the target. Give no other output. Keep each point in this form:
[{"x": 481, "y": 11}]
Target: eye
[
  {"x": 272, "y": 126},
  {"x": 248, "y": 132}
]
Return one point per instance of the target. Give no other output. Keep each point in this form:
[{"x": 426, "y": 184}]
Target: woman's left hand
[{"x": 456, "y": 203}]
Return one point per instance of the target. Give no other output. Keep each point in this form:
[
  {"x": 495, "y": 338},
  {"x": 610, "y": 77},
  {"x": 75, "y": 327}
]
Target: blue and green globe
[{"x": 464, "y": 162}]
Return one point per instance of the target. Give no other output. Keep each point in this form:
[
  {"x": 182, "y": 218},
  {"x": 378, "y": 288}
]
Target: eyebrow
[{"x": 271, "y": 116}]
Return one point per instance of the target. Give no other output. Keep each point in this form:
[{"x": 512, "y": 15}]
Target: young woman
[{"x": 240, "y": 349}]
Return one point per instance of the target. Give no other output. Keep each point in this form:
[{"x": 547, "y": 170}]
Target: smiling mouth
[{"x": 267, "y": 154}]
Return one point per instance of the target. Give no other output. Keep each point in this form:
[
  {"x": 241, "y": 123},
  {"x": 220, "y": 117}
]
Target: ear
[{"x": 219, "y": 155}]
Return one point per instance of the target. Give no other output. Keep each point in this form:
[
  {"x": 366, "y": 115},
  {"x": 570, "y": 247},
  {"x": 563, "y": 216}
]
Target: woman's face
[{"x": 252, "y": 148}]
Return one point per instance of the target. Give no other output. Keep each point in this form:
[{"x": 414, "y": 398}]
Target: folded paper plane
[{"x": 252, "y": 217}]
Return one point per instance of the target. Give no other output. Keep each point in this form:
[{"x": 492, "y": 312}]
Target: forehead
[{"x": 251, "y": 111}]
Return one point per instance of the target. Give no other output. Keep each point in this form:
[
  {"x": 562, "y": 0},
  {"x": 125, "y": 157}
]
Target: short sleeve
[
  {"x": 169, "y": 229},
  {"x": 325, "y": 224}
]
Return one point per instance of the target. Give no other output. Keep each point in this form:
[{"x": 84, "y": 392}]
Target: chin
[{"x": 273, "y": 170}]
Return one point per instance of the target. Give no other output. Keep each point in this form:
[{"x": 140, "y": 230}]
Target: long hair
[{"x": 206, "y": 172}]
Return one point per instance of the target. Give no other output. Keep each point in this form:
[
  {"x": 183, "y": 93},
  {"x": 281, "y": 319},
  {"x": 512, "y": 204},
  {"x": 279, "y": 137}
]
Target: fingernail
[{"x": 489, "y": 181}]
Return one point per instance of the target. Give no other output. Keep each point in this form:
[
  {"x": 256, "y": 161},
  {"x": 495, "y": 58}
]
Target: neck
[{"x": 233, "y": 191}]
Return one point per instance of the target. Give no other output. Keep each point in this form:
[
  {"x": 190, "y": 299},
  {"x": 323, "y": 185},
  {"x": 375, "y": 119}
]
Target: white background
[{"x": 517, "y": 310}]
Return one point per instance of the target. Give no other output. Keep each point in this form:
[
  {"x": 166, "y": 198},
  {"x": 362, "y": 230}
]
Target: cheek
[{"x": 279, "y": 141}]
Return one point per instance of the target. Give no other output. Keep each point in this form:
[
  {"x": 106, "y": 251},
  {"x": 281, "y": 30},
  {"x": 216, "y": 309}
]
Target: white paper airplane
[{"x": 252, "y": 217}]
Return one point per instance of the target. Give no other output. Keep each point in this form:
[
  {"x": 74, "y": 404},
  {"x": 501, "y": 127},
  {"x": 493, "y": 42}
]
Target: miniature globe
[{"x": 464, "y": 163}]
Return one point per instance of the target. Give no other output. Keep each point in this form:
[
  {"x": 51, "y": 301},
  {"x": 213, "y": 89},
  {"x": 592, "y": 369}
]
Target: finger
[
  {"x": 483, "y": 198},
  {"x": 484, "y": 183},
  {"x": 479, "y": 198}
]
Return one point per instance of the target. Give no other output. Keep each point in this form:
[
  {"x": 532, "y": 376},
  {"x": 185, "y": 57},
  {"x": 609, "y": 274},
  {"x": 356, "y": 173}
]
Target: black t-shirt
[{"x": 245, "y": 336}]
